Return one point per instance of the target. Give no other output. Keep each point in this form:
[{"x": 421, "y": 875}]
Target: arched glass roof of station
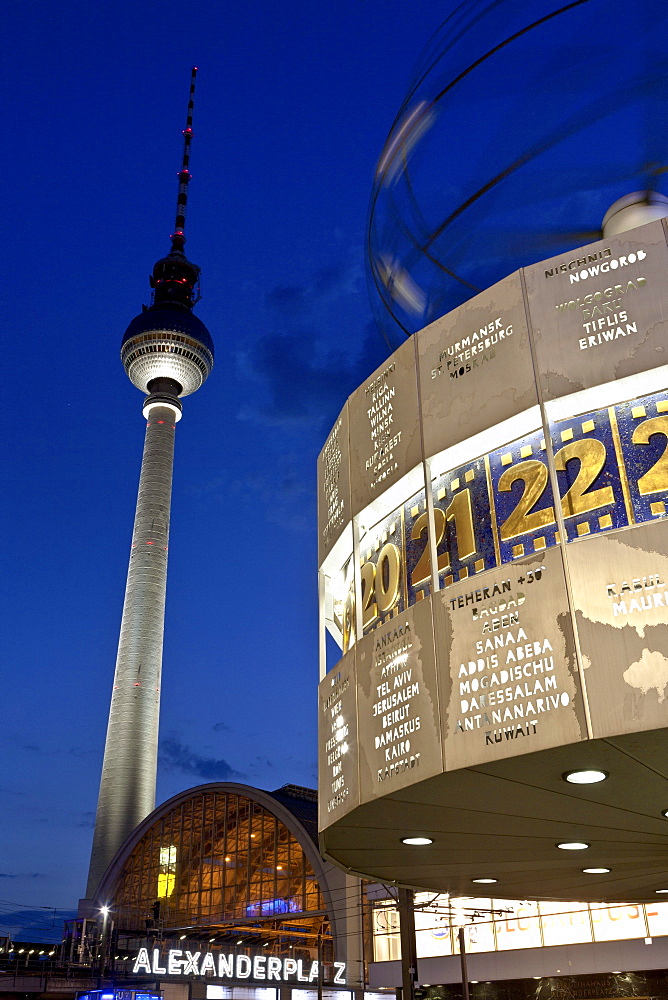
[{"x": 225, "y": 860}]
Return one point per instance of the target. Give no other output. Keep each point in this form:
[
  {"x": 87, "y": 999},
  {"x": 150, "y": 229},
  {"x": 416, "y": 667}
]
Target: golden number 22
[
  {"x": 656, "y": 478},
  {"x": 591, "y": 454},
  {"x": 523, "y": 519},
  {"x": 577, "y": 500}
]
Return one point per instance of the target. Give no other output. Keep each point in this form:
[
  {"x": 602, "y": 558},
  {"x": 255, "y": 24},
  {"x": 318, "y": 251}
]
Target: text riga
[{"x": 259, "y": 967}]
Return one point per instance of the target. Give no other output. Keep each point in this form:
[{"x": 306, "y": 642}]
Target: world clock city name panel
[
  {"x": 600, "y": 313},
  {"x": 620, "y": 595},
  {"x": 475, "y": 366},
  {"x": 385, "y": 438},
  {"x": 398, "y": 705},
  {"x": 334, "y": 507},
  {"x": 338, "y": 782},
  {"x": 507, "y": 667}
]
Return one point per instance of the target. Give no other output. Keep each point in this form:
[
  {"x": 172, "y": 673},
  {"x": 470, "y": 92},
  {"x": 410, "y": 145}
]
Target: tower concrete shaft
[{"x": 127, "y": 786}]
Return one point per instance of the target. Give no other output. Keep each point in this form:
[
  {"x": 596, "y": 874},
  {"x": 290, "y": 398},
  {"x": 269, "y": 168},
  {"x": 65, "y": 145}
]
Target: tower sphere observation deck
[{"x": 167, "y": 342}]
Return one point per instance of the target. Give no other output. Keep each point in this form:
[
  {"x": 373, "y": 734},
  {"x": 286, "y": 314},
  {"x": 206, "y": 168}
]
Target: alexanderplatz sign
[
  {"x": 493, "y": 551},
  {"x": 256, "y": 968}
]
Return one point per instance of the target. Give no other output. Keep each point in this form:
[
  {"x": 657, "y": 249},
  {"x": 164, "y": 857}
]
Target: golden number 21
[{"x": 459, "y": 511}]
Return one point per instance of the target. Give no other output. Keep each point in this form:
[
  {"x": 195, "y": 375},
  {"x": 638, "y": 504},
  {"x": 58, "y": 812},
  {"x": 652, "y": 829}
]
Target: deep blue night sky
[{"x": 293, "y": 104}]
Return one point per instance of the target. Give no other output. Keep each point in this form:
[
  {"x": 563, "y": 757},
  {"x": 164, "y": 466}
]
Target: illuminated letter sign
[
  {"x": 208, "y": 964},
  {"x": 230, "y": 966},
  {"x": 174, "y": 964},
  {"x": 243, "y": 966},
  {"x": 225, "y": 966},
  {"x": 142, "y": 962}
]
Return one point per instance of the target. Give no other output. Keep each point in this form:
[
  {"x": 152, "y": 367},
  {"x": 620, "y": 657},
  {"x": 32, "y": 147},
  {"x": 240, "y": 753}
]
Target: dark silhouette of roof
[{"x": 303, "y": 804}]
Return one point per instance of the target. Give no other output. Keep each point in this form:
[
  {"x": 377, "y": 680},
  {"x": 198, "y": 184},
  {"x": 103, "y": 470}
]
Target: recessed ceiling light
[
  {"x": 573, "y": 845},
  {"x": 595, "y": 871},
  {"x": 484, "y": 881},
  {"x": 585, "y": 776},
  {"x": 664, "y": 812},
  {"x": 417, "y": 841},
  {"x": 661, "y": 890}
]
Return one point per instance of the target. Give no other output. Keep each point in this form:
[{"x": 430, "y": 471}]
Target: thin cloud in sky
[{"x": 176, "y": 756}]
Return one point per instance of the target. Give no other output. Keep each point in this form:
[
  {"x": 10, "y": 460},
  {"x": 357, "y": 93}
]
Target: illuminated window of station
[
  {"x": 166, "y": 872},
  {"x": 495, "y": 925}
]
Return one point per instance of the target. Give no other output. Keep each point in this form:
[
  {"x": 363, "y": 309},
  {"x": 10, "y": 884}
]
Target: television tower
[{"x": 167, "y": 352}]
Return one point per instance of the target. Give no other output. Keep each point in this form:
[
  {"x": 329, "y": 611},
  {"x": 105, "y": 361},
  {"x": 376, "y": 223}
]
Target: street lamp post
[{"x": 102, "y": 953}]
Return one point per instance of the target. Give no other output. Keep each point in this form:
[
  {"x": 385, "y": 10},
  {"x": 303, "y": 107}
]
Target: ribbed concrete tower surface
[{"x": 167, "y": 352}]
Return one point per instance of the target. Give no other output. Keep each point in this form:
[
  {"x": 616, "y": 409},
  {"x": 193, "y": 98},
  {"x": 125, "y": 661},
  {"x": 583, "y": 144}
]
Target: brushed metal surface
[
  {"x": 334, "y": 509},
  {"x": 620, "y": 305},
  {"x": 475, "y": 366},
  {"x": 385, "y": 440},
  {"x": 338, "y": 781},
  {"x": 127, "y": 785},
  {"x": 397, "y": 704}
]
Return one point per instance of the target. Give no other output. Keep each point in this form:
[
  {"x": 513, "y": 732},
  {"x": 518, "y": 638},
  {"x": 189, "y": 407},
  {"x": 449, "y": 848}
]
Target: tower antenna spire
[
  {"x": 175, "y": 279},
  {"x": 167, "y": 353},
  {"x": 178, "y": 236}
]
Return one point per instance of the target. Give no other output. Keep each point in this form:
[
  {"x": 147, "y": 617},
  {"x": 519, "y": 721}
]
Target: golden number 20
[{"x": 380, "y": 583}]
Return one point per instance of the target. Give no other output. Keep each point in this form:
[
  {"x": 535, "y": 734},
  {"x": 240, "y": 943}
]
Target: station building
[{"x": 221, "y": 892}]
